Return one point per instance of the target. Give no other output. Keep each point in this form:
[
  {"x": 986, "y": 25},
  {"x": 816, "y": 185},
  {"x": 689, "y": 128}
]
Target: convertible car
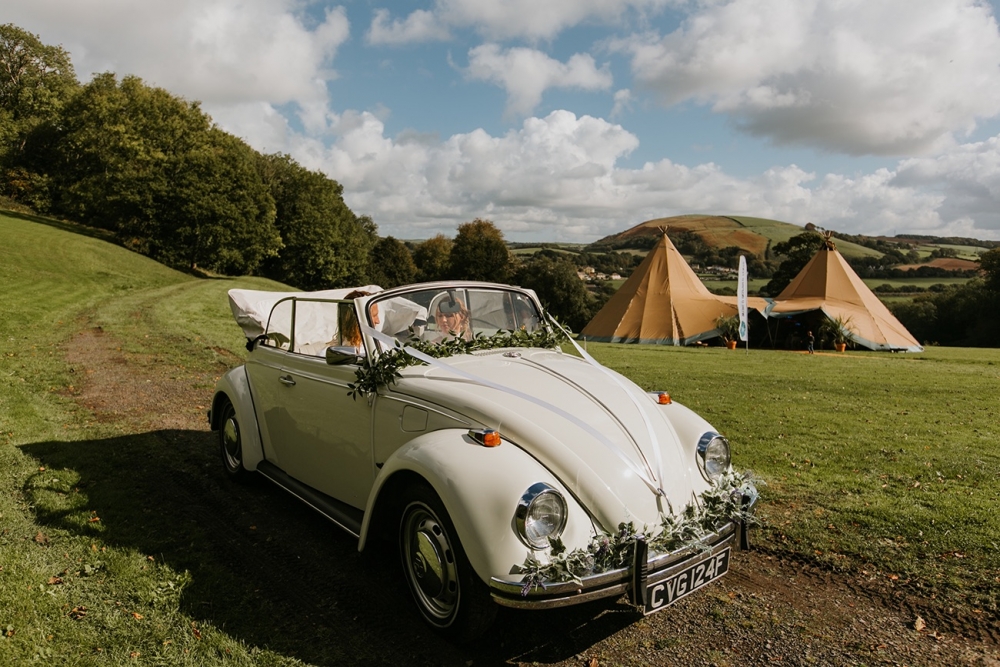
[{"x": 458, "y": 420}]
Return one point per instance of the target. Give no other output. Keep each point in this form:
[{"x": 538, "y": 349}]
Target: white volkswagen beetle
[{"x": 447, "y": 417}]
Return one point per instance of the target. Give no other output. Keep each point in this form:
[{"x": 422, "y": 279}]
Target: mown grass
[
  {"x": 884, "y": 462},
  {"x": 870, "y": 460},
  {"x": 67, "y": 594}
]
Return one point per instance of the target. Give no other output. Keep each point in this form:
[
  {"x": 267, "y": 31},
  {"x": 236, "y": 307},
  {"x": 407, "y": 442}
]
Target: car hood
[{"x": 567, "y": 399}]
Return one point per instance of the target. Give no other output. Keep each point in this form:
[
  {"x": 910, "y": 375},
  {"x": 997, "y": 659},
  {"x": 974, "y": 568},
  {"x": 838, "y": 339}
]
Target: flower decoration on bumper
[{"x": 716, "y": 506}]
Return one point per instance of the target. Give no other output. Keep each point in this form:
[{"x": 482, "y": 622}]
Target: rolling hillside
[{"x": 753, "y": 234}]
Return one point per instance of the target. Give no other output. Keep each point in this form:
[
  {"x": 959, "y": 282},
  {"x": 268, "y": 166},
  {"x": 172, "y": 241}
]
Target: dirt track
[{"x": 316, "y": 590}]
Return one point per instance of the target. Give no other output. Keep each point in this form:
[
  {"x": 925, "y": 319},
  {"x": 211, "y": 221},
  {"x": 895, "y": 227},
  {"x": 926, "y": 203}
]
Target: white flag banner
[{"x": 741, "y": 299}]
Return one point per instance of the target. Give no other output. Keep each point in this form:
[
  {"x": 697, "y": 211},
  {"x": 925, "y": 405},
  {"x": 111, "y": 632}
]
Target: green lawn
[
  {"x": 871, "y": 460},
  {"x": 881, "y": 462}
]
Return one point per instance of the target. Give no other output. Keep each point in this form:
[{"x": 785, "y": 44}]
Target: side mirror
[{"x": 337, "y": 355}]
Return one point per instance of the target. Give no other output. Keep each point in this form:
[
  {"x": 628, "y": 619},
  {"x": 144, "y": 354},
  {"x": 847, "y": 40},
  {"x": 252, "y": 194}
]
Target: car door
[{"x": 318, "y": 433}]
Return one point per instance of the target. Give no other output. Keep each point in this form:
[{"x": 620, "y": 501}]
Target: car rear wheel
[
  {"x": 450, "y": 596},
  {"x": 231, "y": 443}
]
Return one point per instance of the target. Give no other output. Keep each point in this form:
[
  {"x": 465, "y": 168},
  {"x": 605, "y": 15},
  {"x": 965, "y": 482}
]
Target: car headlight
[
  {"x": 540, "y": 515},
  {"x": 713, "y": 455}
]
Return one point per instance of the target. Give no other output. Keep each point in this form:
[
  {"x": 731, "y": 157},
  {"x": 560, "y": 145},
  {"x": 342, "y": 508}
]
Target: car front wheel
[
  {"x": 450, "y": 596},
  {"x": 231, "y": 443}
]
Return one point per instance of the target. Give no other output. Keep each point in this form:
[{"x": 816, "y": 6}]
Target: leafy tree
[
  {"x": 35, "y": 82},
  {"x": 391, "y": 263},
  {"x": 433, "y": 258},
  {"x": 150, "y": 166},
  {"x": 325, "y": 245},
  {"x": 561, "y": 291},
  {"x": 797, "y": 252},
  {"x": 989, "y": 262},
  {"x": 480, "y": 253},
  {"x": 218, "y": 214}
]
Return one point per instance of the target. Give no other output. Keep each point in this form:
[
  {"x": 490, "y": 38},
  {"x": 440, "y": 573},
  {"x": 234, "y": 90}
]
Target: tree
[
  {"x": 559, "y": 288},
  {"x": 150, "y": 166},
  {"x": 480, "y": 253},
  {"x": 433, "y": 258},
  {"x": 35, "y": 82},
  {"x": 797, "y": 251},
  {"x": 391, "y": 263},
  {"x": 325, "y": 245},
  {"x": 218, "y": 214},
  {"x": 989, "y": 262}
]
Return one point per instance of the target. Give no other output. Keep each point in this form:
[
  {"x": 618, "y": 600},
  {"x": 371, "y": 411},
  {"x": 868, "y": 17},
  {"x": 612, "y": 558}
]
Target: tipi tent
[
  {"x": 828, "y": 283},
  {"x": 663, "y": 302}
]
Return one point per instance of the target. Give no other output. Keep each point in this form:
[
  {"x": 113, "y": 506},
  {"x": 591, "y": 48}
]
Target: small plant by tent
[
  {"x": 837, "y": 330},
  {"x": 729, "y": 327}
]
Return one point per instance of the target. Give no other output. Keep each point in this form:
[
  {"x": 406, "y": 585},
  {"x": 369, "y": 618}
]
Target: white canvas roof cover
[
  {"x": 663, "y": 302},
  {"x": 252, "y": 308},
  {"x": 828, "y": 283}
]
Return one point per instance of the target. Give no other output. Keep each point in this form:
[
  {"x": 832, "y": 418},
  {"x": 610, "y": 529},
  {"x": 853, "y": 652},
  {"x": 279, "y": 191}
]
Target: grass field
[{"x": 876, "y": 463}]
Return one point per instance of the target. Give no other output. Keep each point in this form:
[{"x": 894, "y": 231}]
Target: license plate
[{"x": 688, "y": 580}]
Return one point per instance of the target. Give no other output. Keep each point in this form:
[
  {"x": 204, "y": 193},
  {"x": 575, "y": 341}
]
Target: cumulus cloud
[
  {"x": 420, "y": 26},
  {"x": 526, "y": 19},
  {"x": 526, "y": 73},
  {"x": 223, "y": 52},
  {"x": 560, "y": 177},
  {"x": 895, "y": 77}
]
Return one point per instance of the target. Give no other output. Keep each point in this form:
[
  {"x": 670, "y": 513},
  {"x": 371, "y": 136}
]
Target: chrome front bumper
[{"x": 631, "y": 580}]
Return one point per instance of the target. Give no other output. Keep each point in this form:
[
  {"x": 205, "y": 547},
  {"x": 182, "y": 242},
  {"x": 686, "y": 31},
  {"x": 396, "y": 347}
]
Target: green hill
[{"x": 752, "y": 234}]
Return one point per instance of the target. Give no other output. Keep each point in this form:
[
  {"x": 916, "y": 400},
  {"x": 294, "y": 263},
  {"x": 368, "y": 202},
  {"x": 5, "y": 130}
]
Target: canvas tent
[
  {"x": 663, "y": 302},
  {"x": 828, "y": 284}
]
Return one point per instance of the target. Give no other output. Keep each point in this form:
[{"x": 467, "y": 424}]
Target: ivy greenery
[
  {"x": 383, "y": 369},
  {"x": 719, "y": 504}
]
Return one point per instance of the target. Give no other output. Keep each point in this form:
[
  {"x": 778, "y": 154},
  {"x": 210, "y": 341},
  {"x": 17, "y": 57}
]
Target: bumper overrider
[{"x": 651, "y": 582}]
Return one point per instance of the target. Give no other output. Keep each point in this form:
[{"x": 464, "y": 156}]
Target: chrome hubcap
[
  {"x": 231, "y": 443},
  {"x": 430, "y": 562}
]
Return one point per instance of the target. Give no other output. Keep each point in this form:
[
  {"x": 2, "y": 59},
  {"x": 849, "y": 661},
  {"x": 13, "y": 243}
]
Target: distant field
[
  {"x": 562, "y": 249},
  {"x": 914, "y": 282}
]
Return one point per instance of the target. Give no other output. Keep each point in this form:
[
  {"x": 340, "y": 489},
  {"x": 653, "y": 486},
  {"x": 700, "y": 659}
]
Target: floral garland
[
  {"x": 721, "y": 503},
  {"x": 383, "y": 370}
]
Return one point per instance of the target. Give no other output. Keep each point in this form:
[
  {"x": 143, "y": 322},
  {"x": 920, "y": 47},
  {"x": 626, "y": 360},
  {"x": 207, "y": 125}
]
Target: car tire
[
  {"x": 231, "y": 444},
  {"x": 448, "y": 593}
]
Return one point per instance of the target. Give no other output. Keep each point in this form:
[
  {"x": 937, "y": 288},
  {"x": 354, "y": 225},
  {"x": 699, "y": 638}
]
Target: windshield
[{"x": 440, "y": 313}]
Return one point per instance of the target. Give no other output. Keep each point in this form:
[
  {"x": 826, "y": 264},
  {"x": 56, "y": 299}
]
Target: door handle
[{"x": 287, "y": 380}]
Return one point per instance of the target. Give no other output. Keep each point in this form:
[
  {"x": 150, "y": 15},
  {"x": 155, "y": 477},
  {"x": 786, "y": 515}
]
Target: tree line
[{"x": 153, "y": 169}]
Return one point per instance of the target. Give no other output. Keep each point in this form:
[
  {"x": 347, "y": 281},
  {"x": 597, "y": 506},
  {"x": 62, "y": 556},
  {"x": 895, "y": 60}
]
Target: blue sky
[{"x": 572, "y": 119}]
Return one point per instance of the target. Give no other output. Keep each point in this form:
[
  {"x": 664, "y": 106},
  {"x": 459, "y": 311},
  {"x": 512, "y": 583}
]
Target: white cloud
[
  {"x": 219, "y": 51},
  {"x": 420, "y": 26},
  {"x": 894, "y": 77},
  {"x": 526, "y": 19},
  {"x": 559, "y": 177},
  {"x": 623, "y": 102},
  {"x": 527, "y": 73}
]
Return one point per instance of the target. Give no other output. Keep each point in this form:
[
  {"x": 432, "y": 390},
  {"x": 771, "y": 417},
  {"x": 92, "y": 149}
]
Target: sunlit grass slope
[{"x": 57, "y": 584}]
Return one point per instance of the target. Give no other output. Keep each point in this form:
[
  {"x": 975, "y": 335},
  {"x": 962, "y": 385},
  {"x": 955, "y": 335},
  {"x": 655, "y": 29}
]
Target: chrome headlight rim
[
  {"x": 708, "y": 469},
  {"x": 521, "y": 513}
]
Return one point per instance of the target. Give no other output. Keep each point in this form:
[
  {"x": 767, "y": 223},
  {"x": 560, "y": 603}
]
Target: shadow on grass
[{"x": 272, "y": 573}]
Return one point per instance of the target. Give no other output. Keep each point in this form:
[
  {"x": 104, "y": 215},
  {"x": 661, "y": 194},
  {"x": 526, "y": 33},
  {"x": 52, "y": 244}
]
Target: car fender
[
  {"x": 689, "y": 427},
  {"x": 235, "y": 386},
  {"x": 480, "y": 488}
]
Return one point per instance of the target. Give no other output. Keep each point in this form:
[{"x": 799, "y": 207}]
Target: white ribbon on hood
[{"x": 600, "y": 437}]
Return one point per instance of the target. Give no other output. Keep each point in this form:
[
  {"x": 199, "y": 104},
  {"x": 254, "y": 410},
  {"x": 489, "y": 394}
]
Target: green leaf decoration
[{"x": 383, "y": 370}]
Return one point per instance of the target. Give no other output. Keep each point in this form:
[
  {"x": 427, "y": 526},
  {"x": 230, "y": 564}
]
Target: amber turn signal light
[
  {"x": 485, "y": 437},
  {"x": 663, "y": 398}
]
